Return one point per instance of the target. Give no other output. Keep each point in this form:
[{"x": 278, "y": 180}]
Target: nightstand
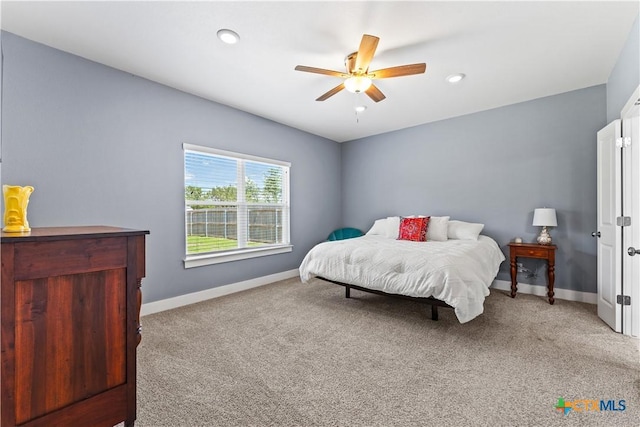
[{"x": 533, "y": 250}]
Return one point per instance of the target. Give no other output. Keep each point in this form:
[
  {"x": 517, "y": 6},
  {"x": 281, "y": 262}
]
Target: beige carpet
[{"x": 292, "y": 354}]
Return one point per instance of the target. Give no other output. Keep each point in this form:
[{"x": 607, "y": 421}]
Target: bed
[{"x": 451, "y": 272}]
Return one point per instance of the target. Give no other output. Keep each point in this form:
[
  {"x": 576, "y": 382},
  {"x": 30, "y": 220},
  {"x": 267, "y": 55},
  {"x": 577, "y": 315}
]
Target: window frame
[{"x": 197, "y": 260}]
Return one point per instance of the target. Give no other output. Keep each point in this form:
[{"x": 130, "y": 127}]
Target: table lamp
[{"x": 544, "y": 217}]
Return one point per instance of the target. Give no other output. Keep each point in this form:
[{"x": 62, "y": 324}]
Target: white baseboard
[
  {"x": 559, "y": 293},
  {"x": 192, "y": 298}
]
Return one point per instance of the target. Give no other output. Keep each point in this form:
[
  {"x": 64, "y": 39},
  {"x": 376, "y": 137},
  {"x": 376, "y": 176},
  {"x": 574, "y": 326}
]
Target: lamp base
[{"x": 544, "y": 238}]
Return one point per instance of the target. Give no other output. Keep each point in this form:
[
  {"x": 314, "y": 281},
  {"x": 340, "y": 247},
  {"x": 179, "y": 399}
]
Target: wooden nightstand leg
[
  {"x": 514, "y": 272},
  {"x": 552, "y": 278}
]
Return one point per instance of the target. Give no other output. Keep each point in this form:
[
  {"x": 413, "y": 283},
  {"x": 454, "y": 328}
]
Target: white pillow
[
  {"x": 464, "y": 230},
  {"x": 393, "y": 227},
  {"x": 379, "y": 227},
  {"x": 438, "y": 228}
]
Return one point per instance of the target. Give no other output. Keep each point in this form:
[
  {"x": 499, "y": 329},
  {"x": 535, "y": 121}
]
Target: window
[{"x": 236, "y": 206}]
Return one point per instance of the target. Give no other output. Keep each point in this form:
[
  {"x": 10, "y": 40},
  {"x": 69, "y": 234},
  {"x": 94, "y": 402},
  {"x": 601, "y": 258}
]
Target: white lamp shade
[{"x": 545, "y": 217}]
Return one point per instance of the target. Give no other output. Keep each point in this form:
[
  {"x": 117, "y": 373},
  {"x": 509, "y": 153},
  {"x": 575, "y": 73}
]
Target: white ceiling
[{"x": 510, "y": 52}]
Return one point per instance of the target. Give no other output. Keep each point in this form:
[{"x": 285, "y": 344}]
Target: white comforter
[{"x": 458, "y": 272}]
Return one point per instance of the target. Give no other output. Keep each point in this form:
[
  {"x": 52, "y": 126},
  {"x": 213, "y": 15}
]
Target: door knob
[
  {"x": 633, "y": 251},
  {"x": 595, "y": 234}
]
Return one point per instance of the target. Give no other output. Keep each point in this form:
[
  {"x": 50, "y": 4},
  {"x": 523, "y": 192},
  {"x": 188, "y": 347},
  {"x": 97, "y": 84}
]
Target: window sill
[{"x": 209, "y": 259}]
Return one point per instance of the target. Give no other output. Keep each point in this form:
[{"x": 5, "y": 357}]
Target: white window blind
[{"x": 234, "y": 203}]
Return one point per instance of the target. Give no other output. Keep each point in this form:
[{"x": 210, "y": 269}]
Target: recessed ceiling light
[
  {"x": 360, "y": 108},
  {"x": 228, "y": 36},
  {"x": 455, "y": 78}
]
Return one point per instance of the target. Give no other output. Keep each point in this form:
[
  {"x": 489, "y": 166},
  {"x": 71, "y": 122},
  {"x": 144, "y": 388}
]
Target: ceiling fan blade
[
  {"x": 321, "y": 71},
  {"x": 402, "y": 70},
  {"x": 331, "y": 92},
  {"x": 375, "y": 93},
  {"x": 366, "y": 51}
]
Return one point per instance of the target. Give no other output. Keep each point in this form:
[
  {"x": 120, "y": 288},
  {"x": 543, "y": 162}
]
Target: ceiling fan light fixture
[
  {"x": 360, "y": 108},
  {"x": 357, "y": 84},
  {"x": 227, "y": 36},
  {"x": 455, "y": 78}
]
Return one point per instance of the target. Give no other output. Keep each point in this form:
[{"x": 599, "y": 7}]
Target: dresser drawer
[
  {"x": 34, "y": 260},
  {"x": 532, "y": 252}
]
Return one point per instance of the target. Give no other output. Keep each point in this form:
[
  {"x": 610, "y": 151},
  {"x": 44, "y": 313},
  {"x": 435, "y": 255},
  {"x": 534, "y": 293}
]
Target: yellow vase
[{"x": 16, "y": 199}]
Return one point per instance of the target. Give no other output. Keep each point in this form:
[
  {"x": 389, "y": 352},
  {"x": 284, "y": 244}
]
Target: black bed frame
[{"x": 434, "y": 303}]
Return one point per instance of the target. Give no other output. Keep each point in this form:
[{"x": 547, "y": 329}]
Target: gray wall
[
  {"x": 493, "y": 167},
  {"x": 104, "y": 147},
  {"x": 625, "y": 76},
  {"x": 101, "y": 146}
]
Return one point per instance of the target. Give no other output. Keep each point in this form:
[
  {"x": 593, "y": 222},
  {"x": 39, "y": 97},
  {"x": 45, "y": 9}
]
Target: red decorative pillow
[{"x": 414, "y": 229}]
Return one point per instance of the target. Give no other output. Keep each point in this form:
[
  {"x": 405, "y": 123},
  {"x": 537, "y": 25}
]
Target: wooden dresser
[{"x": 69, "y": 304}]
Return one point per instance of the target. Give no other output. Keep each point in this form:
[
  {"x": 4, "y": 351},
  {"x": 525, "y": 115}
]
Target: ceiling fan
[{"x": 358, "y": 78}]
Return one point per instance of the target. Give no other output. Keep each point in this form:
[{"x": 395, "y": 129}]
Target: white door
[
  {"x": 609, "y": 235},
  {"x": 631, "y": 208}
]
